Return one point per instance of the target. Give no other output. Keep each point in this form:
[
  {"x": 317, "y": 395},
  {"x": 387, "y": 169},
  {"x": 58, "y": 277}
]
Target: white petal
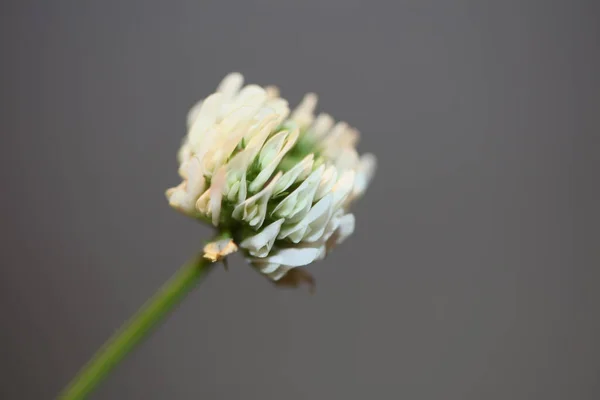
[
  {"x": 317, "y": 227},
  {"x": 238, "y": 119},
  {"x": 185, "y": 195},
  {"x": 298, "y": 171},
  {"x": 251, "y": 95},
  {"x": 347, "y": 159},
  {"x": 193, "y": 113},
  {"x": 364, "y": 173},
  {"x": 238, "y": 165},
  {"x": 243, "y": 191},
  {"x": 195, "y": 184},
  {"x": 238, "y": 189},
  {"x": 333, "y": 224},
  {"x": 342, "y": 135},
  {"x": 183, "y": 156},
  {"x": 314, "y": 223},
  {"x": 230, "y": 85},
  {"x": 267, "y": 170},
  {"x": 295, "y": 256},
  {"x": 231, "y": 189},
  {"x": 322, "y": 125},
  {"x": 303, "y": 114},
  {"x": 328, "y": 179},
  {"x": 281, "y": 108},
  {"x": 343, "y": 188},
  {"x": 256, "y": 206},
  {"x": 272, "y": 92},
  {"x": 260, "y": 244},
  {"x": 265, "y": 267},
  {"x": 273, "y": 271},
  {"x": 177, "y": 198},
  {"x": 301, "y": 197},
  {"x": 216, "y": 194},
  {"x": 200, "y": 136},
  {"x": 256, "y": 141},
  {"x": 346, "y": 227},
  {"x": 171, "y": 191},
  {"x": 272, "y": 148},
  {"x": 202, "y": 205},
  {"x": 298, "y": 234}
]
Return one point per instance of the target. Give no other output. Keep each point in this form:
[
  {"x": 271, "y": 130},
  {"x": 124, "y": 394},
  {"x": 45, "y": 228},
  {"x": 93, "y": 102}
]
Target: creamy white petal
[
  {"x": 177, "y": 198},
  {"x": 347, "y": 159},
  {"x": 271, "y": 148},
  {"x": 257, "y": 141},
  {"x": 230, "y": 85},
  {"x": 200, "y": 136},
  {"x": 169, "y": 192},
  {"x": 185, "y": 195},
  {"x": 238, "y": 119},
  {"x": 251, "y": 95},
  {"x": 322, "y": 125},
  {"x": 183, "y": 156},
  {"x": 193, "y": 113},
  {"x": 202, "y": 204},
  {"x": 272, "y": 92},
  {"x": 303, "y": 115},
  {"x": 280, "y": 107},
  {"x": 216, "y": 194},
  {"x": 341, "y": 135}
]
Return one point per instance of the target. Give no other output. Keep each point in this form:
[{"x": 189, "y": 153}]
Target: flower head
[{"x": 281, "y": 182}]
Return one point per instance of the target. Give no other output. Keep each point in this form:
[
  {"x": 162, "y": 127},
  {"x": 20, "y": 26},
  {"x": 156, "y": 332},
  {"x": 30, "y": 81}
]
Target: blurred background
[{"x": 473, "y": 272}]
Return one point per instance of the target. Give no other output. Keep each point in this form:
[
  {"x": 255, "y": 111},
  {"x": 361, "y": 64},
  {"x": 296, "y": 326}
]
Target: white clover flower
[{"x": 280, "y": 182}]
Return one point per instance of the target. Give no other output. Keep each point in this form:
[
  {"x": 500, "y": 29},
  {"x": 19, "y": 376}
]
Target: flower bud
[{"x": 280, "y": 182}]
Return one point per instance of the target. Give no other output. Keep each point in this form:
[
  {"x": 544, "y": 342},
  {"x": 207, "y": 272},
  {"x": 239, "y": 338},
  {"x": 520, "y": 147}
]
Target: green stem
[{"x": 136, "y": 329}]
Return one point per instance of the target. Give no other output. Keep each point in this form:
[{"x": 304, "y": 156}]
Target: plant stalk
[{"x": 136, "y": 329}]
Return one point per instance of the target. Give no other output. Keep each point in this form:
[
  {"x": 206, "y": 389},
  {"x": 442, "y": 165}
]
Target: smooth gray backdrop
[{"x": 473, "y": 272}]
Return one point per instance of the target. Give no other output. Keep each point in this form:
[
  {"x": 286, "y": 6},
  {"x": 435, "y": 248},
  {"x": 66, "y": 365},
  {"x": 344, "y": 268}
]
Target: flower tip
[
  {"x": 364, "y": 173},
  {"x": 369, "y": 161},
  {"x": 272, "y": 92},
  {"x": 231, "y": 83},
  {"x": 310, "y": 100},
  {"x": 169, "y": 192}
]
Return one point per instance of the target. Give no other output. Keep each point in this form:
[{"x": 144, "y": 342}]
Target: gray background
[{"x": 474, "y": 268}]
